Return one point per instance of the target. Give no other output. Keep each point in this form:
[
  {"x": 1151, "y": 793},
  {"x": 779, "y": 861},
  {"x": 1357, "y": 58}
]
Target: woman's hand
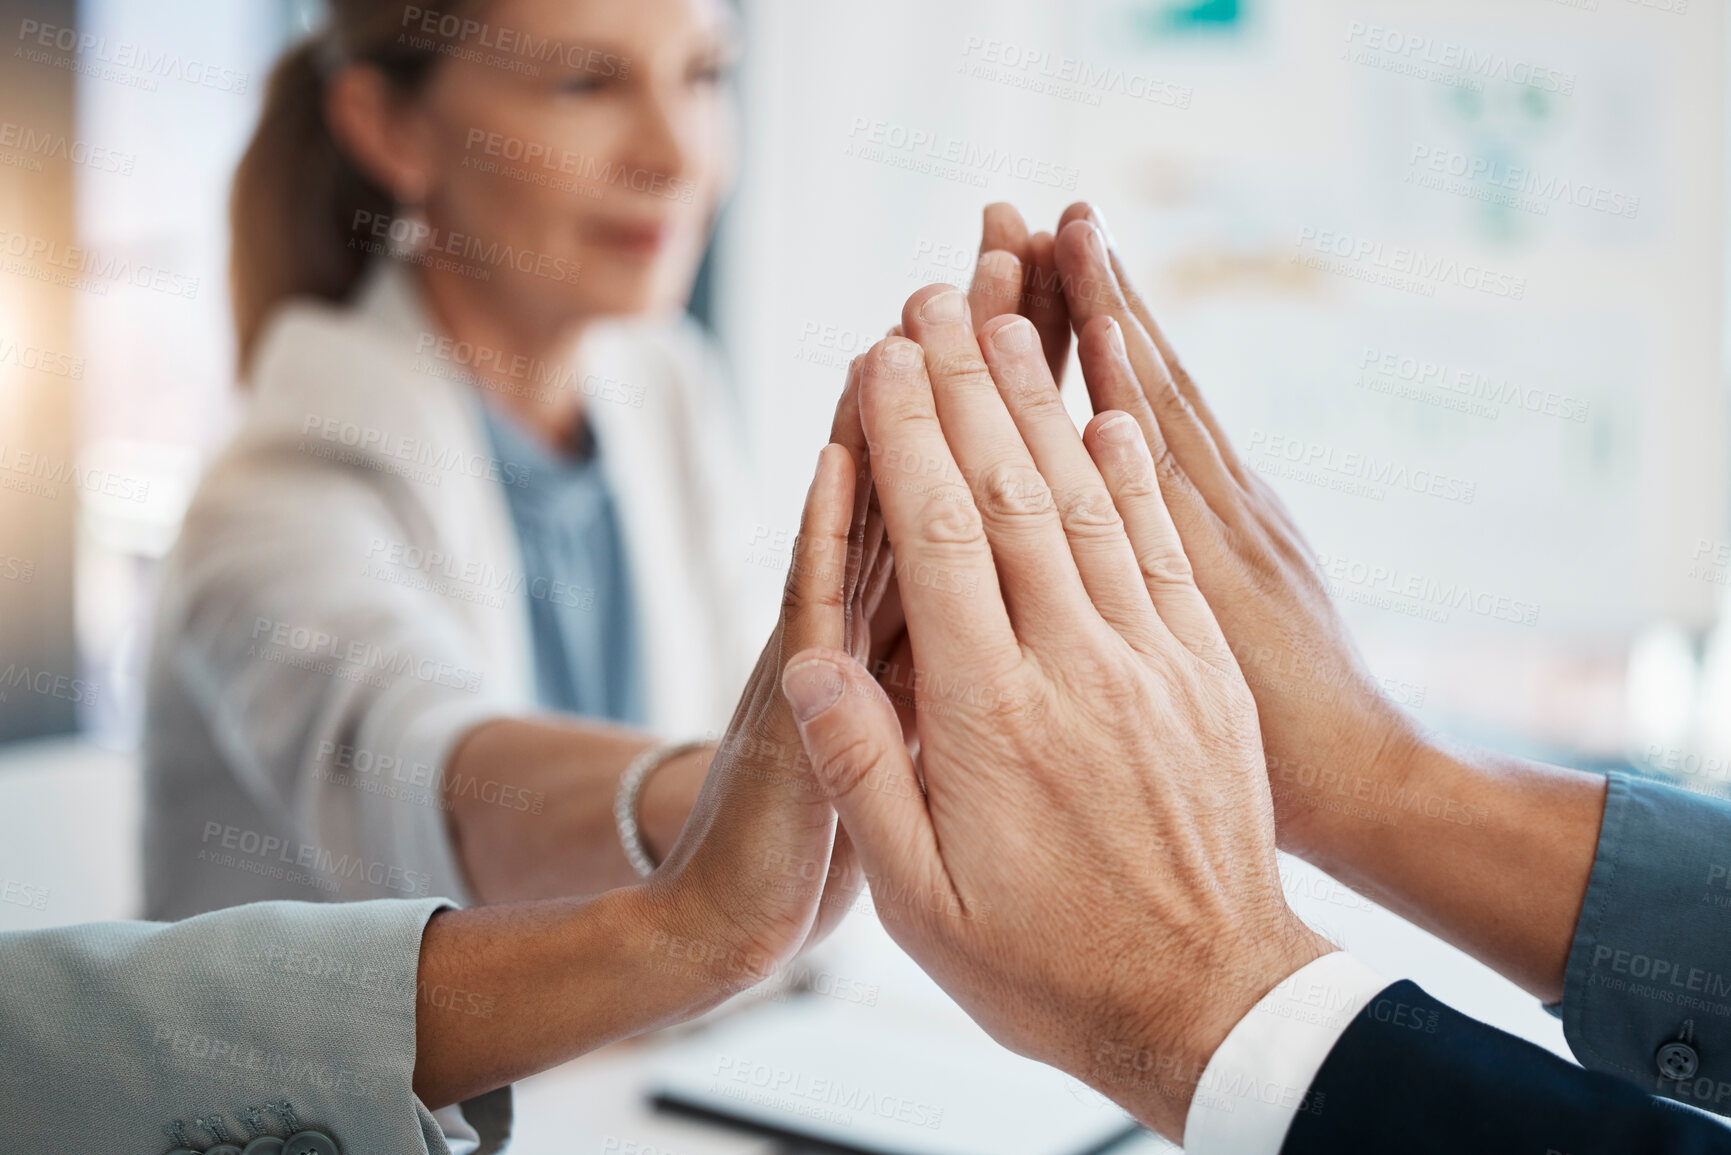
[
  {"x": 758, "y": 864},
  {"x": 876, "y": 605},
  {"x": 1018, "y": 274},
  {"x": 1083, "y": 852},
  {"x": 758, "y": 873}
]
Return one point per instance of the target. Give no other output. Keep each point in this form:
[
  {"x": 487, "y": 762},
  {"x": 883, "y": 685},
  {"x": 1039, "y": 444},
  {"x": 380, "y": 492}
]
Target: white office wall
[
  {"x": 1298, "y": 127},
  {"x": 173, "y": 90}
]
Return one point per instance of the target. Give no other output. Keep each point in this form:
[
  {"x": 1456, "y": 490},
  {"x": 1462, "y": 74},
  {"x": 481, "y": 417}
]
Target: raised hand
[
  {"x": 759, "y": 808},
  {"x": 1442, "y": 835},
  {"x": 1327, "y": 729},
  {"x": 1083, "y": 851},
  {"x": 1018, "y": 273},
  {"x": 759, "y": 872}
]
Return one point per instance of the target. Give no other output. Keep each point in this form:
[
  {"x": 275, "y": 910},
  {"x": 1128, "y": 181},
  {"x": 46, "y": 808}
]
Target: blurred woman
[{"x": 483, "y": 488}]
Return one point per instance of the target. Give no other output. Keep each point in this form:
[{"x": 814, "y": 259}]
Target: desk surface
[{"x": 597, "y": 1105}]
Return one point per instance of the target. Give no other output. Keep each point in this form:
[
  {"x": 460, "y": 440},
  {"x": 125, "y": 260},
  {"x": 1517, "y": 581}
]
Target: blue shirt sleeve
[{"x": 1647, "y": 993}]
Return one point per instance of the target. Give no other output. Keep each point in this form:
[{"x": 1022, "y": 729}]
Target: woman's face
[{"x": 578, "y": 149}]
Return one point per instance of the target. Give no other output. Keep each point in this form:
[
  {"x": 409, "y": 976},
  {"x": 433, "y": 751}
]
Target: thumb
[{"x": 861, "y": 764}]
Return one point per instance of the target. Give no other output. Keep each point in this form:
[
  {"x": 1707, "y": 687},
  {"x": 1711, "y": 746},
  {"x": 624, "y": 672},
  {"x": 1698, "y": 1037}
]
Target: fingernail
[
  {"x": 1121, "y": 430},
  {"x": 998, "y": 264},
  {"x": 811, "y": 688},
  {"x": 1015, "y": 336},
  {"x": 901, "y": 353},
  {"x": 946, "y": 307},
  {"x": 1099, "y": 219},
  {"x": 1096, "y": 241},
  {"x": 1115, "y": 338}
]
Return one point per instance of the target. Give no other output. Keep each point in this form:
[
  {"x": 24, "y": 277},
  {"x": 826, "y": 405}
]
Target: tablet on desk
[{"x": 888, "y": 1081}]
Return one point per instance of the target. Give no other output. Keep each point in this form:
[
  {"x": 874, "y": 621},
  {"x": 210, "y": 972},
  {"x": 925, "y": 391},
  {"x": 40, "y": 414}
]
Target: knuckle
[
  {"x": 1141, "y": 484},
  {"x": 1171, "y": 405},
  {"x": 964, "y": 371},
  {"x": 851, "y": 765},
  {"x": 1167, "y": 468},
  {"x": 797, "y": 601},
  {"x": 793, "y": 601},
  {"x": 813, "y": 583},
  {"x": 1013, "y": 493},
  {"x": 1105, "y": 679},
  {"x": 1020, "y": 706},
  {"x": 1165, "y": 568},
  {"x": 1091, "y": 511},
  {"x": 1122, "y": 695},
  {"x": 1032, "y": 392},
  {"x": 948, "y": 519}
]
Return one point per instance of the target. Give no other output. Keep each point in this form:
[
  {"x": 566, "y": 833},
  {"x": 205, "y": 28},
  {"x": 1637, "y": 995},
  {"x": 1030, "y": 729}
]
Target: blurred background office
[{"x": 1452, "y": 272}]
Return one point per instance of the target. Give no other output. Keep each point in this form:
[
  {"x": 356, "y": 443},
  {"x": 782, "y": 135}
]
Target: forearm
[
  {"x": 530, "y": 806},
  {"x": 1490, "y": 853},
  {"x": 506, "y": 991}
]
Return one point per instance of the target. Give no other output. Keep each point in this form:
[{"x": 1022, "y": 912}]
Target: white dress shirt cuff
[{"x": 1258, "y": 1079}]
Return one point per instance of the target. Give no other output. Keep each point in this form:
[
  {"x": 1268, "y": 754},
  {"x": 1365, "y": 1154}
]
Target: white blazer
[{"x": 346, "y": 599}]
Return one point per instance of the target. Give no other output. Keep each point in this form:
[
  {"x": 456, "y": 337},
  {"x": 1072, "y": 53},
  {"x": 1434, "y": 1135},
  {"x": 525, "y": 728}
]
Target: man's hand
[
  {"x": 1444, "y": 837},
  {"x": 1328, "y": 731},
  {"x": 1016, "y": 275},
  {"x": 1083, "y": 851}
]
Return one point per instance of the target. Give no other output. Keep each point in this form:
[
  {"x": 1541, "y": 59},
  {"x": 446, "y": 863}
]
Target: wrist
[
  {"x": 558, "y": 978},
  {"x": 1155, "y": 1072},
  {"x": 663, "y": 959},
  {"x": 667, "y": 798},
  {"x": 1329, "y": 802},
  {"x": 702, "y": 957},
  {"x": 1233, "y": 987}
]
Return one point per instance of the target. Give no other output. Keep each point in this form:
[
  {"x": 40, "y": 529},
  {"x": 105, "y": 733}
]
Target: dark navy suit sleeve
[{"x": 1410, "y": 1075}]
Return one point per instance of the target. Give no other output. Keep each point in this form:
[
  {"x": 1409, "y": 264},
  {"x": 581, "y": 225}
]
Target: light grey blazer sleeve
[
  {"x": 1647, "y": 993},
  {"x": 274, "y": 1019}
]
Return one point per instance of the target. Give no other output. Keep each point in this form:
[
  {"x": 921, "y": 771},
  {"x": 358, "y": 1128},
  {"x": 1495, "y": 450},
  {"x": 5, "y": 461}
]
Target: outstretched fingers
[
  {"x": 1091, "y": 523},
  {"x": 1018, "y": 273},
  {"x": 1093, "y": 291},
  {"x": 1038, "y": 577},
  {"x": 946, "y": 577},
  {"x": 1121, "y": 453}
]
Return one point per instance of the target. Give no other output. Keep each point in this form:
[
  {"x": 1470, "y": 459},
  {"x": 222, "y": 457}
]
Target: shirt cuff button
[{"x": 1678, "y": 1061}]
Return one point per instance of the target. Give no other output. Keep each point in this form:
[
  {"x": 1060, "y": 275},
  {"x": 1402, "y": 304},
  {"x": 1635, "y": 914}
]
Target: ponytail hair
[{"x": 296, "y": 193}]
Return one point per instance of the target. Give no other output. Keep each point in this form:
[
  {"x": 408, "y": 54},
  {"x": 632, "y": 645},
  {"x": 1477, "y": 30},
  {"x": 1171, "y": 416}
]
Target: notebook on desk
[{"x": 883, "y": 1080}]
